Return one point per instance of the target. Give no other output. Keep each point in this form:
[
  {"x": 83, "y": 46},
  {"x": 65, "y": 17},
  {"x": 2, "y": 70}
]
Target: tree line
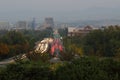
[
  {"x": 85, "y": 68},
  {"x": 13, "y": 43},
  {"x": 103, "y": 42}
]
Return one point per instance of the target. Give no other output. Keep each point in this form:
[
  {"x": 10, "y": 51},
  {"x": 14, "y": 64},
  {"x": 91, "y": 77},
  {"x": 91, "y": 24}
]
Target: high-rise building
[
  {"x": 33, "y": 24},
  {"x": 48, "y": 22}
]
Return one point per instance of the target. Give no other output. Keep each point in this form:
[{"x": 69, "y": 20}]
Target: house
[{"x": 80, "y": 31}]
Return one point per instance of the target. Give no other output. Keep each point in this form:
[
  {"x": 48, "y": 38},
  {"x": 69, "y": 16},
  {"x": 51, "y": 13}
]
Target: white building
[
  {"x": 80, "y": 31},
  {"x": 20, "y": 25},
  {"x": 4, "y": 25}
]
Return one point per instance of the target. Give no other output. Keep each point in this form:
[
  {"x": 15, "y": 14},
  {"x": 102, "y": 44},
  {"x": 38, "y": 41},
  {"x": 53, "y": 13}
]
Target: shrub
[{"x": 85, "y": 68}]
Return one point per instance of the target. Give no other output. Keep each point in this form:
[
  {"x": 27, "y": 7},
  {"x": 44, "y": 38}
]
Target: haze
[{"x": 60, "y": 10}]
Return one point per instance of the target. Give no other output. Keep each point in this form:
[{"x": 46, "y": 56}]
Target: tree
[
  {"x": 13, "y": 37},
  {"x": 4, "y": 50},
  {"x": 102, "y": 42}
]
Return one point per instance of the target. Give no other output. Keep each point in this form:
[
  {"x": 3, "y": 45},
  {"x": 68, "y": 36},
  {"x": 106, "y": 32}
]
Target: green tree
[{"x": 102, "y": 42}]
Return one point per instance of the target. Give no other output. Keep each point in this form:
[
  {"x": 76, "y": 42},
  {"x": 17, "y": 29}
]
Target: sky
[{"x": 60, "y": 10}]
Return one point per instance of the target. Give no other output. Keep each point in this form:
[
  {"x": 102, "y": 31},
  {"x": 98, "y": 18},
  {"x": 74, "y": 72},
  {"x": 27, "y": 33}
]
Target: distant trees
[
  {"x": 13, "y": 38},
  {"x": 73, "y": 45},
  {"x": 103, "y": 42},
  {"x": 98, "y": 42},
  {"x": 17, "y": 42},
  {"x": 85, "y": 68},
  {"x": 13, "y": 43}
]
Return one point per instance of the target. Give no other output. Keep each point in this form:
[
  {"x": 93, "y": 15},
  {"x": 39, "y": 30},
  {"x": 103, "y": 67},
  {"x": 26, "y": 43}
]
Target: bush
[
  {"x": 86, "y": 68},
  {"x": 89, "y": 69},
  {"x": 25, "y": 72}
]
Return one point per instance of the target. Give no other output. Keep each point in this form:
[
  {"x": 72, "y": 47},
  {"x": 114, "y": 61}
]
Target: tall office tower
[
  {"x": 33, "y": 24},
  {"x": 49, "y": 22}
]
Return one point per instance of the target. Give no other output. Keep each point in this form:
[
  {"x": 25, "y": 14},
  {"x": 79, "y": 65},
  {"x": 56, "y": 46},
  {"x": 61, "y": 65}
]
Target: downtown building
[{"x": 48, "y": 23}]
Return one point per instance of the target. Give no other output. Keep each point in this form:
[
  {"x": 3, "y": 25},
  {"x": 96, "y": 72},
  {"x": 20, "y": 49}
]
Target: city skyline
[{"x": 60, "y": 10}]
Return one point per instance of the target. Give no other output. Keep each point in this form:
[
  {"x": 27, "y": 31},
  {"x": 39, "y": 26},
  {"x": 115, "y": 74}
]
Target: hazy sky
[{"x": 60, "y": 10}]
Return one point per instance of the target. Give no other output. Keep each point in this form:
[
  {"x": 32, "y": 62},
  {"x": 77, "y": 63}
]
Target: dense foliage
[
  {"x": 13, "y": 43},
  {"x": 103, "y": 42},
  {"x": 86, "y": 68},
  {"x": 18, "y": 42}
]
